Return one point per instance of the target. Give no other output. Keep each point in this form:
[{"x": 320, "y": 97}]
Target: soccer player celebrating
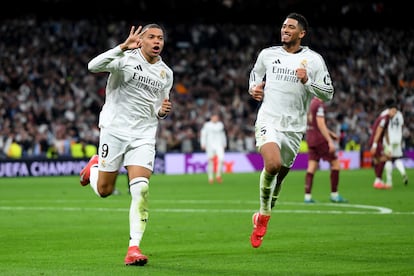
[
  {"x": 137, "y": 96},
  {"x": 321, "y": 146},
  {"x": 395, "y": 148},
  {"x": 378, "y": 134},
  {"x": 285, "y": 79},
  {"x": 213, "y": 140}
]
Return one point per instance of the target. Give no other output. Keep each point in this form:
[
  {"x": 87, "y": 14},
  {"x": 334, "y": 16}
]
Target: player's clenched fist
[{"x": 257, "y": 91}]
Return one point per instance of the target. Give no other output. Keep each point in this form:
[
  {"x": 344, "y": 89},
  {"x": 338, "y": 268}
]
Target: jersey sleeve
[
  {"x": 107, "y": 61},
  {"x": 224, "y": 137},
  {"x": 203, "y": 136},
  {"x": 258, "y": 72},
  {"x": 320, "y": 83}
]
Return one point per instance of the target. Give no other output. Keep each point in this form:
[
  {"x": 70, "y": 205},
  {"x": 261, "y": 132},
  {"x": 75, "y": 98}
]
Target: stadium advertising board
[
  {"x": 245, "y": 162},
  {"x": 176, "y": 163},
  {"x": 54, "y": 167}
]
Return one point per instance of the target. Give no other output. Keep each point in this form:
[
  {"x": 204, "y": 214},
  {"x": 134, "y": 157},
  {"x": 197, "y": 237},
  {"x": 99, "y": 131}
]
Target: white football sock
[
  {"x": 138, "y": 212},
  {"x": 267, "y": 183},
  {"x": 400, "y": 166},
  {"x": 210, "y": 169},
  {"x": 93, "y": 179},
  {"x": 388, "y": 172},
  {"x": 219, "y": 167}
]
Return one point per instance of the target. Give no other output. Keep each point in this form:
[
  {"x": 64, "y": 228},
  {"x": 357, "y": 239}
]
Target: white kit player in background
[
  {"x": 394, "y": 147},
  {"x": 213, "y": 141}
]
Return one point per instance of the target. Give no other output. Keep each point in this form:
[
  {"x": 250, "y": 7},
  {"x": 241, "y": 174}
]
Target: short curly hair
[{"x": 301, "y": 20}]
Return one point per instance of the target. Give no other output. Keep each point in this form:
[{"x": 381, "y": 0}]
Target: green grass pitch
[{"x": 53, "y": 226}]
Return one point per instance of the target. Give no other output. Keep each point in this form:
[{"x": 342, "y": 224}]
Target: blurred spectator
[{"x": 48, "y": 99}]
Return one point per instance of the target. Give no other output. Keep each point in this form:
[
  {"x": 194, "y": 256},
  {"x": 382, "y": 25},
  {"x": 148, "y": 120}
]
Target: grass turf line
[{"x": 53, "y": 226}]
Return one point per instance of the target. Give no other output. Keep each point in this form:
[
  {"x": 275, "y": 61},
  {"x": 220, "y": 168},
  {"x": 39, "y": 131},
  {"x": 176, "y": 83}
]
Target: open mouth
[{"x": 156, "y": 49}]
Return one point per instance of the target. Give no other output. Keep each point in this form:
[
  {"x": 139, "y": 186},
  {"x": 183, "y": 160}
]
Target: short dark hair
[
  {"x": 390, "y": 103},
  {"x": 301, "y": 20},
  {"x": 152, "y": 25},
  {"x": 155, "y": 26}
]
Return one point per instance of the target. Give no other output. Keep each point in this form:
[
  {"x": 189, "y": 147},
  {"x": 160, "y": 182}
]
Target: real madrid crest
[{"x": 163, "y": 74}]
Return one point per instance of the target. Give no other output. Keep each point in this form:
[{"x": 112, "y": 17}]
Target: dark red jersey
[
  {"x": 381, "y": 121},
  {"x": 313, "y": 134}
]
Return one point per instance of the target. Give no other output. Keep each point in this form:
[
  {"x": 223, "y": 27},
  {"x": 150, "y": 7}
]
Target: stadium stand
[{"x": 50, "y": 102}]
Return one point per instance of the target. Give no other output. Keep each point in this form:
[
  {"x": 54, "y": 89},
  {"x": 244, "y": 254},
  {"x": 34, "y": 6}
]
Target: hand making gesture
[{"x": 134, "y": 39}]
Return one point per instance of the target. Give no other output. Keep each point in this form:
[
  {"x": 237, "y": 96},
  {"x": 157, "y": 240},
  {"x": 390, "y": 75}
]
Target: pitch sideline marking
[{"x": 377, "y": 209}]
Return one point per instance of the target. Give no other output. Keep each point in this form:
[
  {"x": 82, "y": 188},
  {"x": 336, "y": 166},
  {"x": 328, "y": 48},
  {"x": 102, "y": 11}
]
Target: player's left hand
[
  {"x": 165, "y": 108},
  {"x": 302, "y": 75}
]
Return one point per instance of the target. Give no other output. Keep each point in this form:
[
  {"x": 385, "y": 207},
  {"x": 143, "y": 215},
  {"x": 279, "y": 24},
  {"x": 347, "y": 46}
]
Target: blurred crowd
[{"x": 50, "y": 103}]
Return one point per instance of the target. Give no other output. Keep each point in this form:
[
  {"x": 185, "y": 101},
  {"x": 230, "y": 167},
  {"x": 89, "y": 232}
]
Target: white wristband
[{"x": 374, "y": 145}]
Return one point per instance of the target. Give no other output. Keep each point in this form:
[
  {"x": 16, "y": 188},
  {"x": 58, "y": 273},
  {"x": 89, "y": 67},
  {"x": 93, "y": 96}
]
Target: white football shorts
[
  {"x": 215, "y": 150},
  {"x": 116, "y": 151},
  {"x": 288, "y": 142},
  {"x": 396, "y": 150}
]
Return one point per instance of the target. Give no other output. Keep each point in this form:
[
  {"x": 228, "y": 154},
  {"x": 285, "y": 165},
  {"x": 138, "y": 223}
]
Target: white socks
[
  {"x": 219, "y": 167},
  {"x": 400, "y": 166},
  {"x": 388, "y": 172},
  {"x": 93, "y": 179},
  {"x": 210, "y": 169},
  {"x": 267, "y": 184},
  {"x": 138, "y": 212},
  {"x": 388, "y": 169}
]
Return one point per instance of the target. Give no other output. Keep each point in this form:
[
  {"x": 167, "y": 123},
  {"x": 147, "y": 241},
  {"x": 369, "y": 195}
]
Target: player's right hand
[
  {"x": 134, "y": 39},
  {"x": 257, "y": 91}
]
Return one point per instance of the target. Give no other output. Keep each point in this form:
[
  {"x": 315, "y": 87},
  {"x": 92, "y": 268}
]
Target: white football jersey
[
  {"x": 134, "y": 92},
  {"x": 286, "y": 100},
  {"x": 212, "y": 135},
  {"x": 395, "y": 128}
]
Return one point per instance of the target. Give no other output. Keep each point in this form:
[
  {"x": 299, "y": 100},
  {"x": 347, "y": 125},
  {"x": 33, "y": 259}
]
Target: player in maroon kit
[
  {"x": 321, "y": 145},
  {"x": 378, "y": 133}
]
